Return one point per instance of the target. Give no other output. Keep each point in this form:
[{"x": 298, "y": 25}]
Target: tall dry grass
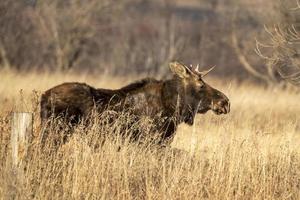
[{"x": 251, "y": 153}]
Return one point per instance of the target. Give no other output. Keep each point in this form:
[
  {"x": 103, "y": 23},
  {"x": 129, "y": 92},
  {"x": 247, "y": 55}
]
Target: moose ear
[{"x": 180, "y": 69}]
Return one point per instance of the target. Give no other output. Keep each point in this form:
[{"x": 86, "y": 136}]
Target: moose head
[{"x": 195, "y": 95}]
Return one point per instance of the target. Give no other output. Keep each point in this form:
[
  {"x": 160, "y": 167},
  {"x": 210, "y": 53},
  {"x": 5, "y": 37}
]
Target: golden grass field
[{"x": 251, "y": 153}]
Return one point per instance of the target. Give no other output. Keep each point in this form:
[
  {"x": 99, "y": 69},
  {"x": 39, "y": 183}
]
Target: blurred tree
[{"x": 283, "y": 50}]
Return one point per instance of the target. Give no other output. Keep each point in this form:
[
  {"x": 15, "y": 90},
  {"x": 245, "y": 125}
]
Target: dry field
[{"x": 251, "y": 153}]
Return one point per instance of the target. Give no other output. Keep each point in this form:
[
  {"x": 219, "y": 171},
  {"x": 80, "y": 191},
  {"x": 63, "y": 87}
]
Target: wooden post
[{"x": 21, "y": 133}]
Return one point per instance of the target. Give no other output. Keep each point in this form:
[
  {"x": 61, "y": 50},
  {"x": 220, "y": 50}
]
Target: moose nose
[{"x": 224, "y": 106}]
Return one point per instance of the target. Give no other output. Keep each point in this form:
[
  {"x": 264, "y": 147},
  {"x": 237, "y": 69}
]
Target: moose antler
[{"x": 196, "y": 71}]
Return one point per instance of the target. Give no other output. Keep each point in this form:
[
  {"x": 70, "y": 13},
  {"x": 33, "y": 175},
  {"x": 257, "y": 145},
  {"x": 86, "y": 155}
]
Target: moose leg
[
  {"x": 168, "y": 129},
  {"x": 45, "y": 112}
]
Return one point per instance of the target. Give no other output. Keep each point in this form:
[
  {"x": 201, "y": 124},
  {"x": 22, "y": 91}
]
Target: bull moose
[{"x": 175, "y": 100}]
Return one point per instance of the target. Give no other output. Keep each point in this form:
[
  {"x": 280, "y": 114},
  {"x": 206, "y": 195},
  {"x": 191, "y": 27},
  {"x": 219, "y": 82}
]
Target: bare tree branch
[
  {"x": 284, "y": 58},
  {"x": 243, "y": 60}
]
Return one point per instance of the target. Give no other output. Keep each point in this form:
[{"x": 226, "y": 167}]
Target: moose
[{"x": 176, "y": 100}]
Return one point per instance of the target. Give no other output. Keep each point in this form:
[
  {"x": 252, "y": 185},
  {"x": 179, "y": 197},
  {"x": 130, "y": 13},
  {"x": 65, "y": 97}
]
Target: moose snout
[{"x": 221, "y": 106}]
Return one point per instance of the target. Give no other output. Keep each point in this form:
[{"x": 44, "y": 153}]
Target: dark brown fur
[{"x": 175, "y": 101}]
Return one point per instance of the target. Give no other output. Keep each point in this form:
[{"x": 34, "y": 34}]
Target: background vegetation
[{"x": 136, "y": 36}]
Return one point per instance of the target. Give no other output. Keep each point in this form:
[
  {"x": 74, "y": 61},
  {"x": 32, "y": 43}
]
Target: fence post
[{"x": 21, "y": 133}]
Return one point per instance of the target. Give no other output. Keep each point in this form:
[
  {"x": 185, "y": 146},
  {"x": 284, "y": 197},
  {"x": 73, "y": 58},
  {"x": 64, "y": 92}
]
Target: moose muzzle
[{"x": 221, "y": 106}]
